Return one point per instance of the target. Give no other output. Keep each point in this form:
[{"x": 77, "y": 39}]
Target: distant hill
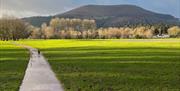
[
  {"x": 38, "y": 20},
  {"x": 111, "y": 15}
]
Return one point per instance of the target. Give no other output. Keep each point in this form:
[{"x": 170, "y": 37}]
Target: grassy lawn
[
  {"x": 114, "y": 65},
  {"x": 13, "y": 61}
]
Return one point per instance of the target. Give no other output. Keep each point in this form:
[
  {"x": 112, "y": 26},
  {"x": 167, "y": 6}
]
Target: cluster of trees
[
  {"x": 126, "y": 32},
  {"x": 63, "y": 28},
  {"x": 86, "y": 29},
  {"x": 47, "y": 32},
  {"x": 13, "y": 29},
  {"x": 174, "y": 31},
  {"x": 72, "y": 24}
]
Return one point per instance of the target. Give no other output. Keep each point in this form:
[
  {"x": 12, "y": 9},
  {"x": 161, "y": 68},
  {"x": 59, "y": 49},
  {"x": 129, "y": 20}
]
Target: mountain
[
  {"x": 38, "y": 20},
  {"x": 111, "y": 15}
]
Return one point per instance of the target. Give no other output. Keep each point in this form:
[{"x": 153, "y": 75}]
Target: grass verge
[{"x": 13, "y": 61}]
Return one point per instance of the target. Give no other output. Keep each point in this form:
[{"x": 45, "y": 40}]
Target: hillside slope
[{"x": 112, "y": 15}]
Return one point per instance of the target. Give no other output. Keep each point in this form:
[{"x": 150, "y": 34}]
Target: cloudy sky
[{"x": 24, "y": 8}]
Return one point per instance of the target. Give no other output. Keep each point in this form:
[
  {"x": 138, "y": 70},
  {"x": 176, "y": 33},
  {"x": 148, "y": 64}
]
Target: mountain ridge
[{"x": 111, "y": 16}]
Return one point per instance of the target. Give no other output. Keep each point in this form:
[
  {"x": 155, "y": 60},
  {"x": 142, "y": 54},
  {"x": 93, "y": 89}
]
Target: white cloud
[
  {"x": 19, "y": 14},
  {"x": 24, "y": 8}
]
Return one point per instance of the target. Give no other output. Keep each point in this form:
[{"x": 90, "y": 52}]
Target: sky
[{"x": 27, "y": 8}]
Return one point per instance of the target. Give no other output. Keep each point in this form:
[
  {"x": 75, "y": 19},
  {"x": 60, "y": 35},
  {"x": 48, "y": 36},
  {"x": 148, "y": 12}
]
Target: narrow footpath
[{"x": 39, "y": 75}]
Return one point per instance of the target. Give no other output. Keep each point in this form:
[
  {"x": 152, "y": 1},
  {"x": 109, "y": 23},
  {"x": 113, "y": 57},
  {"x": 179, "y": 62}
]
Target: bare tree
[{"x": 12, "y": 28}]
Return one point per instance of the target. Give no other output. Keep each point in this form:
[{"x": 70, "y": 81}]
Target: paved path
[{"x": 39, "y": 76}]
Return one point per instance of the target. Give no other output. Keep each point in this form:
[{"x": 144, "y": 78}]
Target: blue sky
[{"x": 22, "y": 8}]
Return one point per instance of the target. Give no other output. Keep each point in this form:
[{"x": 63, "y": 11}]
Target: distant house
[{"x": 162, "y": 36}]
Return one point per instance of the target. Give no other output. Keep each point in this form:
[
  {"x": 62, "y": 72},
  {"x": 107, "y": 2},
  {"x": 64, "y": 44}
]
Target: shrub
[{"x": 174, "y": 31}]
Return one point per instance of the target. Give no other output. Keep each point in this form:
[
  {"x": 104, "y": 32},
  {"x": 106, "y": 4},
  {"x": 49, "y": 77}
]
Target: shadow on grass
[
  {"x": 92, "y": 54},
  {"x": 13, "y": 63},
  {"x": 115, "y": 69},
  {"x": 86, "y": 48}
]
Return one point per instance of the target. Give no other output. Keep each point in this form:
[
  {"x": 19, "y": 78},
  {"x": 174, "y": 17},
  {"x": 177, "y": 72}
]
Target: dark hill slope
[
  {"x": 113, "y": 15},
  {"x": 38, "y": 20}
]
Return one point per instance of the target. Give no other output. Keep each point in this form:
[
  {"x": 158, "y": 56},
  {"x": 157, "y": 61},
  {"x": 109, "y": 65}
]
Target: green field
[
  {"x": 13, "y": 62},
  {"x": 114, "y": 65}
]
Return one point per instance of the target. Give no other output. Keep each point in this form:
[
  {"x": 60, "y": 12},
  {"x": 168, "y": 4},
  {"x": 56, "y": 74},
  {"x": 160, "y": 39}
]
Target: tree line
[
  {"x": 13, "y": 29},
  {"x": 86, "y": 29},
  {"x": 61, "y": 28}
]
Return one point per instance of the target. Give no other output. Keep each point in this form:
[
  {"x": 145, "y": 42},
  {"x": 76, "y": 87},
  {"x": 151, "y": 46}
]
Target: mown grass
[
  {"x": 114, "y": 65},
  {"x": 13, "y": 61}
]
